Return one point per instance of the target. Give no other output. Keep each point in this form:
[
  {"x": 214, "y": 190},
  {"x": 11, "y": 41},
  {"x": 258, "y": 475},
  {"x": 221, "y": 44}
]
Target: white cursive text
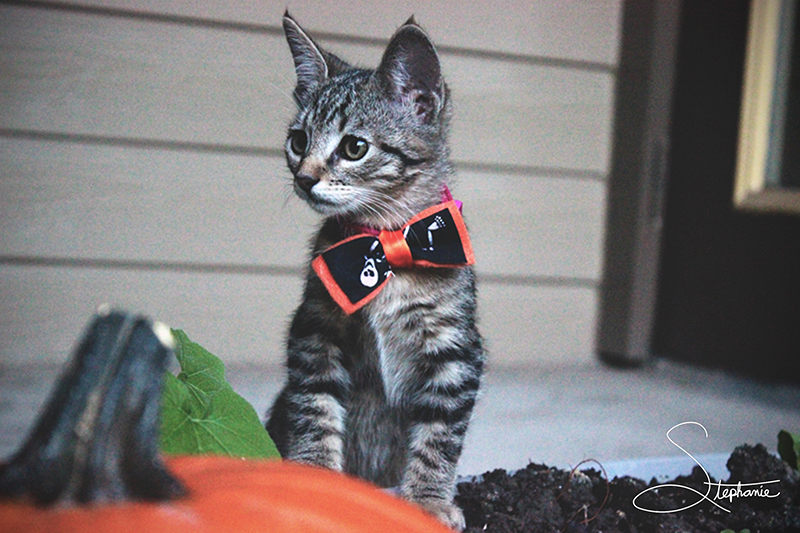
[{"x": 725, "y": 491}]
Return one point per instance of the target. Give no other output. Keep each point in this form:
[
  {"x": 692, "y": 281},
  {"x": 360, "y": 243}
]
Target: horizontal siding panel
[
  {"x": 534, "y": 225},
  {"x": 537, "y": 325},
  {"x": 236, "y": 316},
  {"x": 532, "y": 116},
  {"x": 568, "y": 29},
  {"x": 84, "y": 74},
  {"x": 77, "y": 73},
  {"x": 84, "y": 201},
  {"x": 242, "y": 318}
]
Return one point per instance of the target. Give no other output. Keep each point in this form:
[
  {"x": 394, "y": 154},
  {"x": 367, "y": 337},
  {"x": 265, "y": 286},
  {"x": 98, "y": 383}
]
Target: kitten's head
[{"x": 369, "y": 145}]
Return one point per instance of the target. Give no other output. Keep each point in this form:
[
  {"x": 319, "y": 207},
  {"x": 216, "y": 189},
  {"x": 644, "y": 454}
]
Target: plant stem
[{"x": 97, "y": 439}]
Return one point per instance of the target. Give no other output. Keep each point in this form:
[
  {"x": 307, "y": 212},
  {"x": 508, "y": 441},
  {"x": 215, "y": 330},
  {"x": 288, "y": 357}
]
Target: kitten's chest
[{"x": 397, "y": 318}]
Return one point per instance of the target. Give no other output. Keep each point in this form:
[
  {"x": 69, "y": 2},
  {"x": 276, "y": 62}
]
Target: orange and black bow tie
[{"x": 356, "y": 269}]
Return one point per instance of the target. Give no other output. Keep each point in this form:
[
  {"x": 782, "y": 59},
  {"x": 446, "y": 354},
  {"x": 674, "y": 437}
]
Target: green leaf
[
  {"x": 201, "y": 413},
  {"x": 789, "y": 447}
]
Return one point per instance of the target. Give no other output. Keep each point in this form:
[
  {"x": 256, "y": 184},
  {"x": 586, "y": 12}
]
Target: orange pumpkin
[
  {"x": 234, "y": 495},
  {"x": 92, "y": 463}
]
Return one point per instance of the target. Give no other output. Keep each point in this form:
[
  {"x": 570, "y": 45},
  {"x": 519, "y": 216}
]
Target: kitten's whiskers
[{"x": 390, "y": 211}]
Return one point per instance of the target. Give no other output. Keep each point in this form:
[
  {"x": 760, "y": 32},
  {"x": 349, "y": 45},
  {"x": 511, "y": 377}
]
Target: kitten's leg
[
  {"x": 309, "y": 416},
  {"x": 439, "y": 414}
]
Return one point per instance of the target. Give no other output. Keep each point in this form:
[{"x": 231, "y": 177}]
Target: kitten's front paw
[{"x": 446, "y": 512}]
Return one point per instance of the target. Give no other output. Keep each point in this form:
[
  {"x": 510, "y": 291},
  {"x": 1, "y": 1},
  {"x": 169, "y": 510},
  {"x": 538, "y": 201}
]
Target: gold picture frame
[{"x": 764, "y": 96}]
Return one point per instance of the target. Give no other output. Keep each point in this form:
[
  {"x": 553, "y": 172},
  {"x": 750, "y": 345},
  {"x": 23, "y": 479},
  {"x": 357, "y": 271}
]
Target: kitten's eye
[
  {"x": 353, "y": 148},
  {"x": 298, "y": 142}
]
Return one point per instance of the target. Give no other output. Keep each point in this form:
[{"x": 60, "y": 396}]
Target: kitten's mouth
[
  {"x": 323, "y": 205},
  {"x": 348, "y": 204},
  {"x": 345, "y": 211}
]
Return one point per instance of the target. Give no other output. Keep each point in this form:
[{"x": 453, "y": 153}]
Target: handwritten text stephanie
[{"x": 724, "y": 491}]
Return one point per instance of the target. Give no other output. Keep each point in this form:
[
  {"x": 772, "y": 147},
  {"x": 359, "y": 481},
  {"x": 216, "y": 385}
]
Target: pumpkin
[
  {"x": 235, "y": 495},
  {"x": 92, "y": 463}
]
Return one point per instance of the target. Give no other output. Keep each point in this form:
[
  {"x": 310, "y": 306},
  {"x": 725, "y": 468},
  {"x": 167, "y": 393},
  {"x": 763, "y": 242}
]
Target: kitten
[{"x": 384, "y": 392}]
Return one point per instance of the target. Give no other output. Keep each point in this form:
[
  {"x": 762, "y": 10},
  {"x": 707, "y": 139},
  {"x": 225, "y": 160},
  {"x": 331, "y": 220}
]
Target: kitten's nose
[{"x": 305, "y": 182}]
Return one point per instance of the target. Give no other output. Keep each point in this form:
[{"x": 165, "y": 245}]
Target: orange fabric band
[{"x": 396, "y": 248}]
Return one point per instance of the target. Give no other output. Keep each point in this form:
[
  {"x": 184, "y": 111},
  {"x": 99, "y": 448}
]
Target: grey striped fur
[{"x": 387, "y": 392}]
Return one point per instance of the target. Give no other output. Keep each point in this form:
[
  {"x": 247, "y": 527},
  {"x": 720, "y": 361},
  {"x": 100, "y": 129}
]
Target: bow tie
[{"x": 356, "y": 269}]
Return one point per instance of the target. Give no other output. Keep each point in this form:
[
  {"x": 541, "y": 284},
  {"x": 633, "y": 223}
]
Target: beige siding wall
[{"x": 141, "y": 165}]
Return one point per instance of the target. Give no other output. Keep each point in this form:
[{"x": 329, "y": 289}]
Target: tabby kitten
[{"x": 384, "y": 392}]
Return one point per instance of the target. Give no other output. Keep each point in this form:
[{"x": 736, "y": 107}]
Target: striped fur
[{"x": 387, "y": 392}]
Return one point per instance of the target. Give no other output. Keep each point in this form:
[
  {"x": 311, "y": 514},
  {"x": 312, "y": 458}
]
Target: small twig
[{"x": 585, "y": 507}]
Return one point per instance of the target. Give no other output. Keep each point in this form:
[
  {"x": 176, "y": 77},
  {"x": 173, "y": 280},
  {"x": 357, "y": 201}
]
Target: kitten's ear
[
  {"x": 312, "y": 64},
  {"x": 410, "y": 71}
]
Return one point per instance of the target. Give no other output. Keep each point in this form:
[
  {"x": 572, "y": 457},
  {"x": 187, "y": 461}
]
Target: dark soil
[{"x": 544, "y": 499}]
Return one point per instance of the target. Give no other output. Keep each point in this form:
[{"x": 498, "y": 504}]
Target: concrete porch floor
[{"x": 556, "y": 416}]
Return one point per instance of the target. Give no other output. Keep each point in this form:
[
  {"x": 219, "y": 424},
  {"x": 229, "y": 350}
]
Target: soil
[{"x": 545, "y": 499}]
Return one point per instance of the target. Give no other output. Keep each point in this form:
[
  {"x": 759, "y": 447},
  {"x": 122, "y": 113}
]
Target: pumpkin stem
[{"x": 97, "y": 439}]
